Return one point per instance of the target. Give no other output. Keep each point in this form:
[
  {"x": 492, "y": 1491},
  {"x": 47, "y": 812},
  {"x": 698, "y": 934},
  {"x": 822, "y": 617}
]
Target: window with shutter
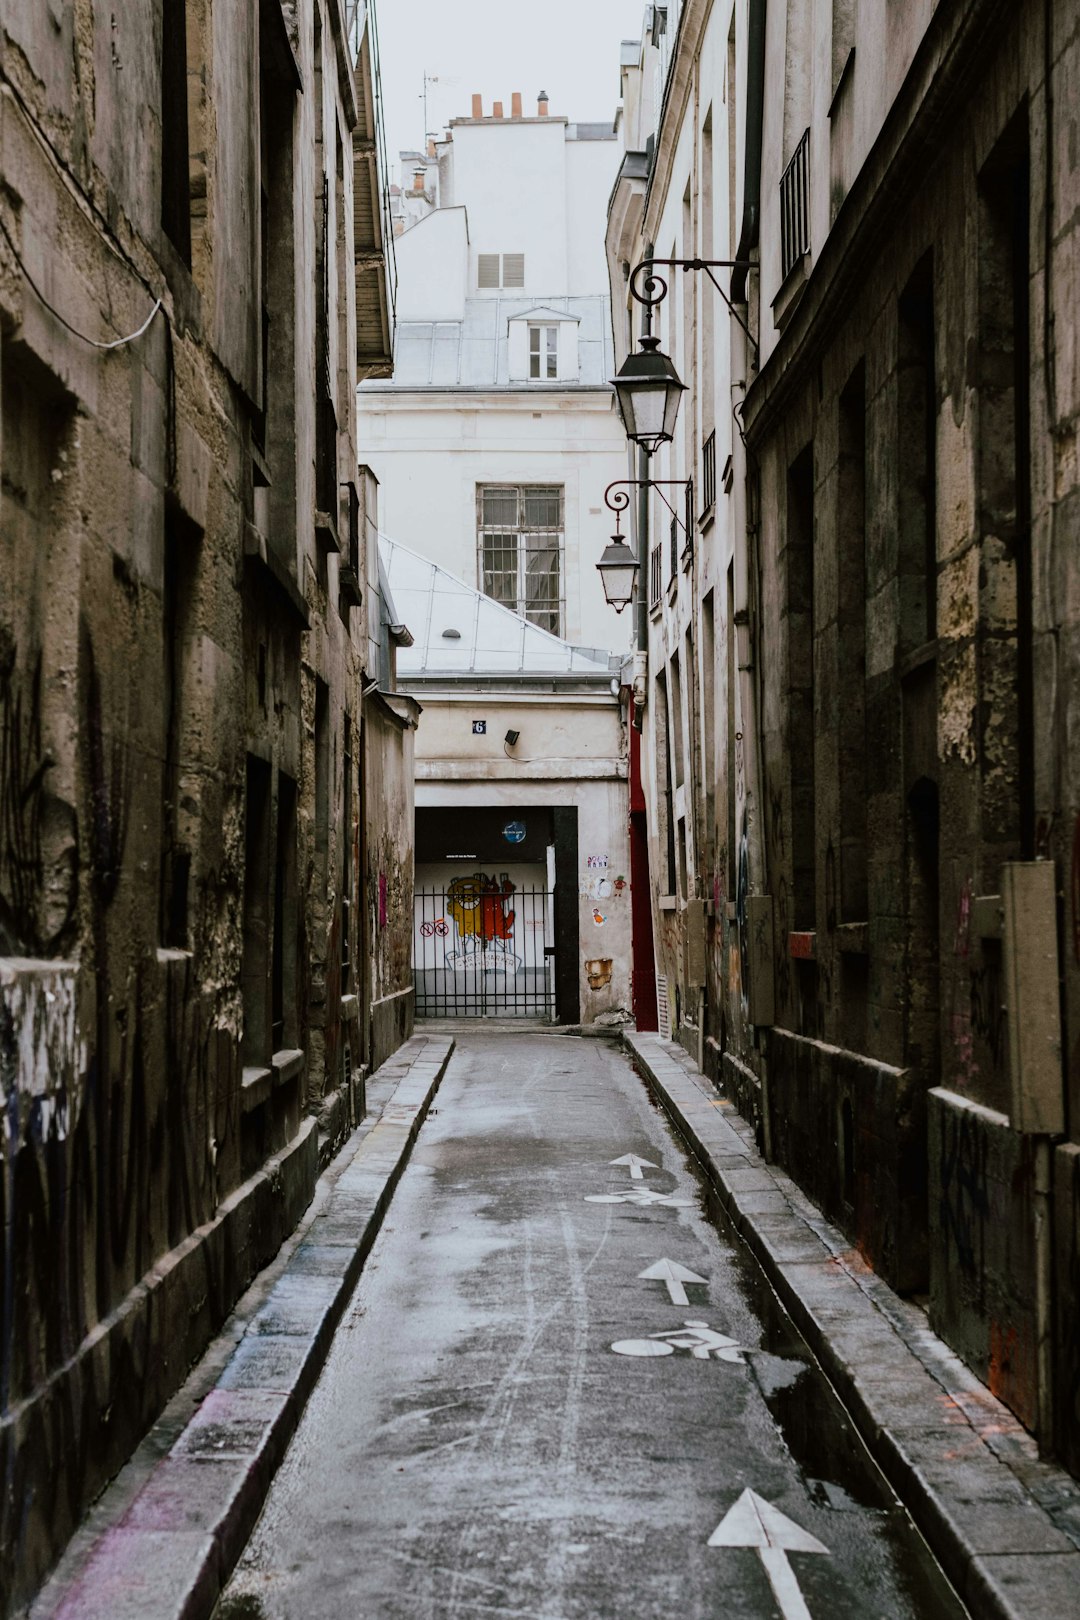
[
  {"x": 513, "y": 270},
  {"x": 487, "y": 270}
]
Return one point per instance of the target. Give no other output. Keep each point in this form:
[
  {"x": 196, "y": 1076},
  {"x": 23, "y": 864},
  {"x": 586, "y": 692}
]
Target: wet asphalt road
[{"x": 476, "y": 1447}]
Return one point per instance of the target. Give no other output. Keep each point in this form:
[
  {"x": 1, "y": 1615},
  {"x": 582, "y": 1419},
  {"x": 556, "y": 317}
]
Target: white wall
[
  {"x": 432, "y": 266},
  {"x": 591, "y": 167},
  {"x": 511, "y": 176},
  {"x": 430, "y": 454}
]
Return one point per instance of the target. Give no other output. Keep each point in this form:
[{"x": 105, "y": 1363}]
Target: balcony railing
[
  {"x": 708, "y": 473},
  {"x": 795, "y": 208},
  {"x": 656, "y": 573}
]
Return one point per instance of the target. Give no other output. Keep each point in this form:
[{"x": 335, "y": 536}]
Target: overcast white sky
[{"x": 570, "y": 48}]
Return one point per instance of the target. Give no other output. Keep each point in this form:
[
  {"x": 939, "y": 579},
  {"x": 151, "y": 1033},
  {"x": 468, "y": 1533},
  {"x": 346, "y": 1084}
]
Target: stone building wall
[
  {"x": 180, "y": 668},
  {"x": 915, "y": 429},
  {"x": 885, "y": 826}
]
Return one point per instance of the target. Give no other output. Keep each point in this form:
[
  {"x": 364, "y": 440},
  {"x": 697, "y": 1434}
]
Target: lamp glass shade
[
  {"x": 618, "y": 569},
  {"x": 649, "y": 390}
]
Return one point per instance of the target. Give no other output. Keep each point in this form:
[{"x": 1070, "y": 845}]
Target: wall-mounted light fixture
[
  {"x": 648, "y": 387},
  {"x": 618, "y": 567}
]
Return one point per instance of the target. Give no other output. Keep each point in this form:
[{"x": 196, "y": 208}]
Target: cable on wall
[{"x": 95, "y": 343}]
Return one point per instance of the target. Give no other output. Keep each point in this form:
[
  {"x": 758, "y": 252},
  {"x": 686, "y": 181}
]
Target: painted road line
[
  {"x": 702, "y": 1341},
  {"x": 635, "y": 1164},
  {"x": 753, "y": 1522},
  {"x": 674, "y": 1275},
  {"x": 642, "y": 1197}
]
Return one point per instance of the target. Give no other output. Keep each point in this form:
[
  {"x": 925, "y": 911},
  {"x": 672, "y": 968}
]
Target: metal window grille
[
  {"x": 484, "y": 948},
  {"x": 521, "y": 535},
  {"x": 656, "y": 574},
  {"x": 543, "y": 351},
  {"x": 688, "y": 520},
  {"x": 795, "y": 208},
  {"x": 708, "y": 472}
]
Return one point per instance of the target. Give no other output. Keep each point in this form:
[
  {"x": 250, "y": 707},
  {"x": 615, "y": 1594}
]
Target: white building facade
[{"x": 493, "y": 447}]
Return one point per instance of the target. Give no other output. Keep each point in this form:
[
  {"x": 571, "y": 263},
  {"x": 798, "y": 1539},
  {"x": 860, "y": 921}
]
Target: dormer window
[
  {"x": 542, "y": 345},
  {"x": 543, "y": 351}
]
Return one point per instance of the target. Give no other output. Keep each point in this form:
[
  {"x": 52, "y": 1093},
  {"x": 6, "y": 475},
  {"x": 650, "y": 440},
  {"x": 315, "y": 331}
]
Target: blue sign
[{"x": 514, "y": 832}]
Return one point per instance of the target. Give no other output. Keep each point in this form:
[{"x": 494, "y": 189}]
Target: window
[
  {"x": 495, "y": 270},
  {"x": 175, "y": 180},
  {"x": 543, "y": 351},
  {"x": 520, "y": 530}
]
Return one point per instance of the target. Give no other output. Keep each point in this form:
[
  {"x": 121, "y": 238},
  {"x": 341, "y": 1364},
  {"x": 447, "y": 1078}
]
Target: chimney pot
[
  {"x": 418, "y": 179},
  {"x": 515, "y": 104},
  {"x": 496, "y": 111},
  {"x": 542, "y": 104},
  {"x": 478, "y": 106}
]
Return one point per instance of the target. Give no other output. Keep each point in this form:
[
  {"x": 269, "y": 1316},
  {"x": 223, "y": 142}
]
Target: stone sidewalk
[
  {"x": 164, "y": 1536},
  {"x": 1004, "y": 1524}
]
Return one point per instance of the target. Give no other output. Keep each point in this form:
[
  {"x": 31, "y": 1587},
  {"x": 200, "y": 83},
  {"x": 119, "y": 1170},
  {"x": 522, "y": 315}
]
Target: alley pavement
[
  {"x": 589, "y": 1369},
  {"x": 563, "y": 1389}
]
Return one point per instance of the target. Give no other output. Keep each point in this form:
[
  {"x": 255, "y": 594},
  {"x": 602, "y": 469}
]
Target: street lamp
[
  {"x": 618, "y": 569},
  {"x": 649, "y": 391}
]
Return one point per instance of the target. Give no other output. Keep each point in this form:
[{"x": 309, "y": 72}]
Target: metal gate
[{"x": 483, "y": 948}]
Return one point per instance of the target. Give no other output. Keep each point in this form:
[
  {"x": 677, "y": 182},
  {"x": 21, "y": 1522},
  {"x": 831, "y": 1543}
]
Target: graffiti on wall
[
  {"x": 39, "y": 852},
  {"x": 480, "y": 908}
]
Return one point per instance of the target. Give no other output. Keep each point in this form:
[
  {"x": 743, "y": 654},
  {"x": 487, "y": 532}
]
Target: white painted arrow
[
  {"x": 670, "y": 1272},
  {"x": 753, "y": 1522},
  {"x": 636, "y": 1165}
]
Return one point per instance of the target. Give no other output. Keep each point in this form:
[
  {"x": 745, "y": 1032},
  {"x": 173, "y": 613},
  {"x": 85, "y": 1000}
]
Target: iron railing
[
  {"x": 795, "y": 208},
  {"x": 483, "y": 948},
  {"x": 656, "y": 573},
  {"x": 708, "y": 473}
]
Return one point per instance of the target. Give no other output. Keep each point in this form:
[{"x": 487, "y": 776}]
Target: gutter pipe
[{"x": 749, "y": 707}]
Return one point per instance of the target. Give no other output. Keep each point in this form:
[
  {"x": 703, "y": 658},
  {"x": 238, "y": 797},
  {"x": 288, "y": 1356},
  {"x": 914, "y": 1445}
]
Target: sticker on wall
[
  {"x": 479, "y": 728},
  {"x": 596, "y": 862},
  {"x": 514, "y": 832},
  {"x": 598, "y": 917},
  {"x": 620, "y": 884}
]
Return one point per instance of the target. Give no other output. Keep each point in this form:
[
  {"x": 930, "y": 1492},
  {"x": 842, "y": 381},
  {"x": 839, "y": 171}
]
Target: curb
[
  {"x": 169, "y": 1549},
  {"x": 1003, "y": 1524}
]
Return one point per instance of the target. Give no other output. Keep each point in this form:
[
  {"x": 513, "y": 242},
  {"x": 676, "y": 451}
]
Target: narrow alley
[{"x": 558, "y": 1377}]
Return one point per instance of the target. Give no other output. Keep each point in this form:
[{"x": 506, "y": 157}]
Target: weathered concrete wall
[
  {"x": 983, "y": 1264},
  {"x": 918, "y": 552},
  {"x": 390, "y": 722},
  {"x": 572, "y": 752},
  {"x": 180, "y": 680},
  {"x": 877, "y": 719}
]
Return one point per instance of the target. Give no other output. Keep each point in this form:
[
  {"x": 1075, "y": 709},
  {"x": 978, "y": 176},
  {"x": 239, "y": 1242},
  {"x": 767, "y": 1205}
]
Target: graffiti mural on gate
[{"x": 485, "y": 926}]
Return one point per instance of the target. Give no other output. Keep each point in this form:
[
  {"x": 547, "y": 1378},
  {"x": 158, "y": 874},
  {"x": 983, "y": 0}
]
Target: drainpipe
[
  {"x": 748, "y": 241},
  {"x": 744, "y": 644},
  {"x": 641, "y": 651}
]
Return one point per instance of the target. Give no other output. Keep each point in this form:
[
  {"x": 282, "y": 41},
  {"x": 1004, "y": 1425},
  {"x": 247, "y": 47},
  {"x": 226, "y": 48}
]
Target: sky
[{"x": 570, "y": 48}]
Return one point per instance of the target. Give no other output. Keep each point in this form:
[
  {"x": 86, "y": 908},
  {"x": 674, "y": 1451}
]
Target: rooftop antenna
[{"x": 429, "y": 78}]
